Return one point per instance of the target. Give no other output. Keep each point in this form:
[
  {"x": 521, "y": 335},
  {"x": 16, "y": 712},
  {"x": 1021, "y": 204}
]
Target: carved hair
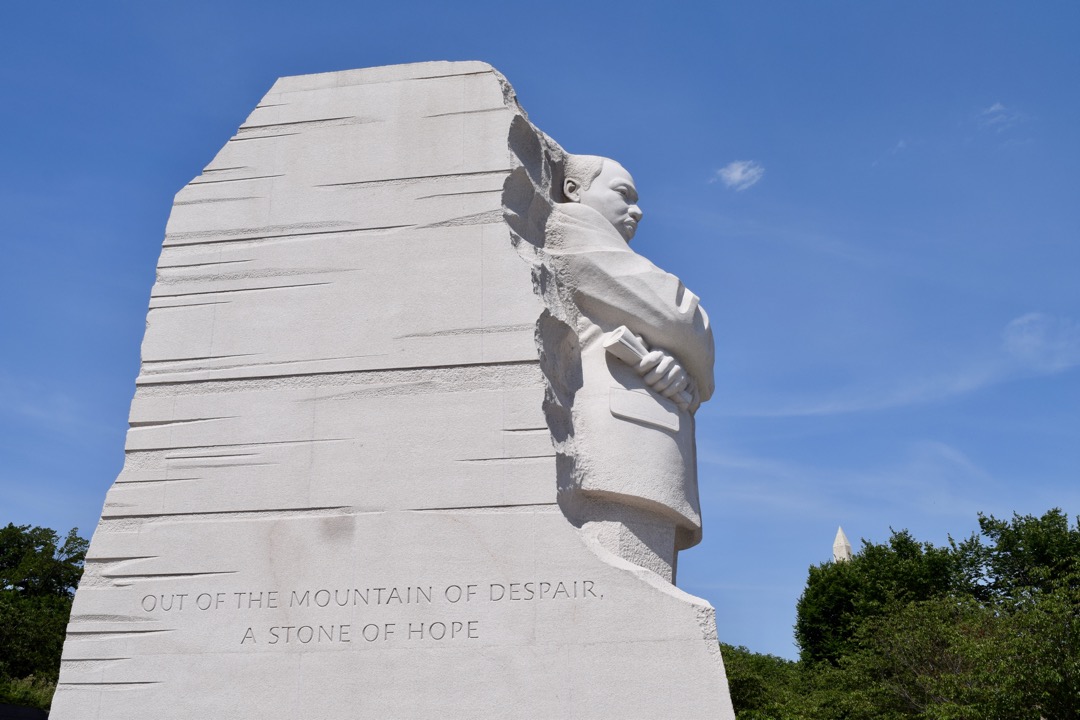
[{"x": 583, "y": 169}]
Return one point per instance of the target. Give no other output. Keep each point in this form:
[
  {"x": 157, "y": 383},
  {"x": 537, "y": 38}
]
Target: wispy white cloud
[
  {"x": 769, "y": 230},
  {"x": 898, "y": 147},
  {"x": 942, "y": 457},
  {"x": 905, "y": 392},
  {"x": 766, "y": 484},
  {"x": 931, "y": 477},
  {"x": 1042, "y": 343},
  {"x": 998, "y": 117},
  {"x": 1032, "y": 344},
  {"x": 740, "y": 174},
  {"x": 925, "y": 476}
]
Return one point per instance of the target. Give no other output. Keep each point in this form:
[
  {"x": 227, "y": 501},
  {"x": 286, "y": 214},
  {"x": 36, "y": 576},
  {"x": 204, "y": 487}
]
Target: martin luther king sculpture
[{"x": 628, "y": 354}]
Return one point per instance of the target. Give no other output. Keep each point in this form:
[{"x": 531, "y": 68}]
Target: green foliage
[
  {"x": 826, "y": 614},
  {"x": 1028, "y": 554},
  {"x": 34, "y": 563},
  {"x": 38, "y": 576},
  {"x": 766, "y": 687},
  {"x": 759, "y": 684},
  {"x": 949, "y": 658},
  {"x": 32, "y": 692},
  {"x": 31, "y": 634},
  {"x": 839, "y": 597},
  {"x": 1046, "y": 627},
  {"x": 987, "y": 628}
]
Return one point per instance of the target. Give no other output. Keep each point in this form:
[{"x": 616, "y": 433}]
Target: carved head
[{"x": 605, "y": 186}]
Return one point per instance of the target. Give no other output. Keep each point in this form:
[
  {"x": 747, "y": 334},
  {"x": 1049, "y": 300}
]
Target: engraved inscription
[{"x": 331, "y": 628}]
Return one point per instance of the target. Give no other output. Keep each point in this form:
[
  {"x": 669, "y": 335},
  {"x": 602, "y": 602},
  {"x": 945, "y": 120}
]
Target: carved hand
[
  {"x": 661, "y": 372},
  {"x": 667, "y": 377}
]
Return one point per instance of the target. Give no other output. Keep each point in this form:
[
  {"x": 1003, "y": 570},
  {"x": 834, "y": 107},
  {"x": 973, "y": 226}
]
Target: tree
[
  {"x": 947, "y": 658},
  {"x": 1047, "y": 631},
  {"x": 985, "y": 628},
  {"x": 759, "y": 684},
  {"x": 840, "y": 597},
  {"x": 38, "y": 576},
  {"x": 1028, "y": 554}
]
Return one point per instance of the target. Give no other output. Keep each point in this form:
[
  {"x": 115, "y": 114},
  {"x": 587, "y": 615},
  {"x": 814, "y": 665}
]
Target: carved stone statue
[
  {"x": 378, "y": 465},
  {"x": 628, "y": 353}
]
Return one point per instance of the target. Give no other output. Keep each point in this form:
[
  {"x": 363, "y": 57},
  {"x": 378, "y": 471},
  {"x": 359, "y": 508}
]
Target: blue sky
[{"x": 877, "y": 203}]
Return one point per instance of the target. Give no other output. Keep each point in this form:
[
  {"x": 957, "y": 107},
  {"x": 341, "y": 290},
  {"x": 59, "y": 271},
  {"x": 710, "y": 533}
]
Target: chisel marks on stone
[
  {"x": 218, "y": 515},
  {"x": 194, "y": 359},
  {"x": 168, "y": 423},
  {"x": 177, "y": 278},
  {"x": 461, "y": 378},
  {"x": 415, "y": 179},
  {"x": 157, "y": 306},
  {"x": 89, "y": 664},
  {"x": 469, "y": 331},
  {"x": 257, "y": 137},
  {"x": 227, "y": 237},
  {"x": 171, "y": 576},
  {"x": 489, "y": 217},
  {"x": 463, "y": 192},
  {"x": 508, "y": 460},
  {"x": 519, "y": 507},
  {"x": 323, "y": 122},
  {"x": 205, "y": 201},
  {"x": 104, "y": 634},
  {"x": 241, "y": 179},
  {"x": 122, "y": 481},
  {"x": 111, "y": 685},
  {"x": 238, "y": 290},
  {"x": 501, "y": 108},
  {"x": 202, "y": 264}
]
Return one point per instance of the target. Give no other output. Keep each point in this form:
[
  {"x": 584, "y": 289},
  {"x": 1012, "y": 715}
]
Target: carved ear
[{"x": 571, "y": 189}]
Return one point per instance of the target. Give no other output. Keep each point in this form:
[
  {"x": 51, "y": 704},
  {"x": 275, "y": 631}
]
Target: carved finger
[
  {"x": 661, "y": 386},
  {"x": 649, "y": 362},
  {"x": 677, "y": 385},
  {"x": 659, "y": 371},
  {"x": 692, "y": 389},
  {"x": 673, "y": 374}
]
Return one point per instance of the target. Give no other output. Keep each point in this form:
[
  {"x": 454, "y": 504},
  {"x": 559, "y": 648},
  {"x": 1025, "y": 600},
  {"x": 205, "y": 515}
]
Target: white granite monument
[{"x": 413, "y": 433}]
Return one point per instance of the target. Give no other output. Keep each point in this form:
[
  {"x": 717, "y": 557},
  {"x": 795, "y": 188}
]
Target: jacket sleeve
[{"x": 615, "y": 286}]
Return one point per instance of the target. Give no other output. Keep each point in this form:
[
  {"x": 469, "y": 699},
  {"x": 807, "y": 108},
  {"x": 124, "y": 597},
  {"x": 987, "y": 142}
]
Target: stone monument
[{"x": 413, "y": 432}]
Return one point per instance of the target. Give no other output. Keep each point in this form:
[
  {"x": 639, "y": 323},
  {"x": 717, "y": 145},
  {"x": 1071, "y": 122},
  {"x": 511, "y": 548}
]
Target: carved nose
[{"x": 635, "y": 212}]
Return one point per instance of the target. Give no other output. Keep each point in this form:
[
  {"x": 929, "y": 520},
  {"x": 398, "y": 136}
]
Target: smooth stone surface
[{"x": 340, "y": 497}]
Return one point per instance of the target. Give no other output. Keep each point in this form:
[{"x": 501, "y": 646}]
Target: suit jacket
[{"x": 631, "y": 445}]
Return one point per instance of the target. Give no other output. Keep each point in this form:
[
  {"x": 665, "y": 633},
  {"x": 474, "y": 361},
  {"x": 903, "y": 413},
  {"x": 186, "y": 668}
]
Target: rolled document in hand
[{"x": 631, "y": 349}]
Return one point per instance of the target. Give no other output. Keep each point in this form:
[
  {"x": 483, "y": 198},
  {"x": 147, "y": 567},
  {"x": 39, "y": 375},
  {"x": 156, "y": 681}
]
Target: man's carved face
[{"x": 613, "y": 195}]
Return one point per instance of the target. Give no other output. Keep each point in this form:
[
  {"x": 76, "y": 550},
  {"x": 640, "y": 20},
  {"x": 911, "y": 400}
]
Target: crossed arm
[{"x": 613, "y": 286}]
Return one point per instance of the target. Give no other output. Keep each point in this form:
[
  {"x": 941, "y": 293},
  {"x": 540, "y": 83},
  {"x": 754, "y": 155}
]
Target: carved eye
[{"x": 624, "y": 192}]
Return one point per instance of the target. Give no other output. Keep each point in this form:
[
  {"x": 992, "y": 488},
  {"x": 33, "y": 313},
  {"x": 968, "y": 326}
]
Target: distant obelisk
[{"x": 841, "y": 548}]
